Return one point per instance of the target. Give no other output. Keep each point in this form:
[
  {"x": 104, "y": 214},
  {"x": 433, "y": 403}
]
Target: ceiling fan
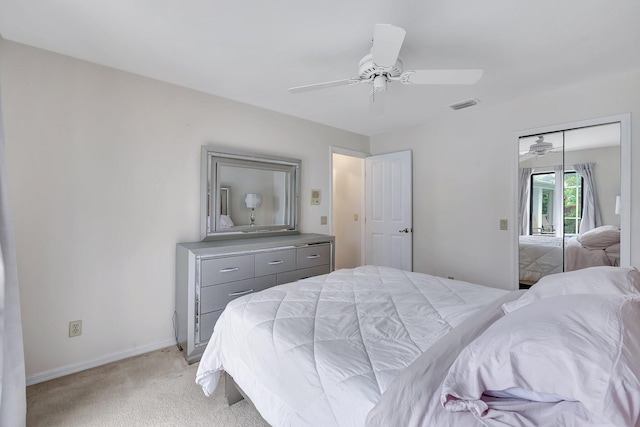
[
  {"x": 382, "y": 65},
  {"x": 539, "y": 148}
]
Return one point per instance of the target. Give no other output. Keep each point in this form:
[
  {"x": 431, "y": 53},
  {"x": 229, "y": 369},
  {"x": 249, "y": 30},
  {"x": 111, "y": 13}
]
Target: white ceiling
[{"x": 252, "y": 50}]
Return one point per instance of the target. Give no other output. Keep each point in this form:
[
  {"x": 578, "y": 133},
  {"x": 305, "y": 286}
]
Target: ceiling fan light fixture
[{"x": 379, "y": 84}]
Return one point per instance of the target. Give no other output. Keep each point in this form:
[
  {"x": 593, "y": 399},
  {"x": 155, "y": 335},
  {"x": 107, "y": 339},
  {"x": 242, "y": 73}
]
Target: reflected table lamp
[{"x": 252, "y": 201}]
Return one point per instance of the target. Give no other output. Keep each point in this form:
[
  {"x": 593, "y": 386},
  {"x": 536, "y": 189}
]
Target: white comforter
[
  {"x": 414, "y": 399},
  {"x": 540, "y": 256},
  {"x": 321, "y": 351}
]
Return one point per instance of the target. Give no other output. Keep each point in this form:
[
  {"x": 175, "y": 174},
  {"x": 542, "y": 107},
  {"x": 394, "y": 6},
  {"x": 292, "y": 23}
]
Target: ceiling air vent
[{"x": 464, "y": 104}]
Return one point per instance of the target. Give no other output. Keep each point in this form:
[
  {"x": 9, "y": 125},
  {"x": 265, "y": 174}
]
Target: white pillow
[
  {"x": 592, "y": 280},
  {"x": 600, "y": 237},
  {"x": 572, "y": 347},
  {"x": 225, "y": 221}
]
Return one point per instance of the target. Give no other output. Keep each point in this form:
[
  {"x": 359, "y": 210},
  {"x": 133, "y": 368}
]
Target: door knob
[{"x": 406, "y": 230}]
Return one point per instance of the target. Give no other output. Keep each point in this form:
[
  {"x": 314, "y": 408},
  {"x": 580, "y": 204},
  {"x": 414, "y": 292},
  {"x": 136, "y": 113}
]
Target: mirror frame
[
  {"x": 211, "y": 159},
  {"x": 625, "y": 181}
]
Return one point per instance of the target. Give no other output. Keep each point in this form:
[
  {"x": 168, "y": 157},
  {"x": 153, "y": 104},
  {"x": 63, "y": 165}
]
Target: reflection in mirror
[
  {"x": 569, "y": 182},
  {"x": 254, "y": 194},
  {"x": 225, "y": 220}
]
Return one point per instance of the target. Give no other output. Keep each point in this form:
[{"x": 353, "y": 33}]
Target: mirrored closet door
[{"x": 569, "y": 200}]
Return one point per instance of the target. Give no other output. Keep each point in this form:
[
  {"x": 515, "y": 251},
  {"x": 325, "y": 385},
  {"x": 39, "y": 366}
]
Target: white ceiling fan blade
[
  {"x": 387, "y": 41},
  {"x": 441, "y": 77},
  {"x": 324, "y": 85}
]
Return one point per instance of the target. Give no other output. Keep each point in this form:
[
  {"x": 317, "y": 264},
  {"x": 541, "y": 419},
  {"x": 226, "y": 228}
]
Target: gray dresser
[{"x": 210, "y": 274}]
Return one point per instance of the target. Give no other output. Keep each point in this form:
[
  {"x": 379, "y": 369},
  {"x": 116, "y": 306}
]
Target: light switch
[
  {"x": 323, "y": 220},
  {"x": 504, "y": 224},
  {"x": 315, "y": 197},
  {"x": 355, "y": 217}
]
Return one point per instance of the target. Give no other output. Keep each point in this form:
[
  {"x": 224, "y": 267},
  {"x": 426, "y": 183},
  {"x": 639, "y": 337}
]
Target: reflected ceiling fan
[
  {"x": 539, "y": 148},
  {"x": 382, "y": 65}
]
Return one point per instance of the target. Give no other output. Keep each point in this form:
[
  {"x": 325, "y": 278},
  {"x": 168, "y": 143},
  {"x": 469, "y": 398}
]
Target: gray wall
[
  {"x": 465, "y": 167},
  {"x": 104, "y": 175}
]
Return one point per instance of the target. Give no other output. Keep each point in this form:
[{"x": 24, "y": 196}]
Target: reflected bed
[{"x": 539, "y": 256}]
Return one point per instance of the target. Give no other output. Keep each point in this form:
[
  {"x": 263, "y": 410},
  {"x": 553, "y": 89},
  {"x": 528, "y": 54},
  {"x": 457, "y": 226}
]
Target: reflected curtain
[
  {"x": 590, "y": 211},
  {"x": 523, "y": 200},
  {"x": 558, "y": 201},
  {"x": 13, "y": 405}
]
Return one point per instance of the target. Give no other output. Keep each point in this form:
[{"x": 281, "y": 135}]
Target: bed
[
  {"x": 321, "y": 351},
  {"x": 562, "y": 353},
  {"x": 539, "y": 256}
]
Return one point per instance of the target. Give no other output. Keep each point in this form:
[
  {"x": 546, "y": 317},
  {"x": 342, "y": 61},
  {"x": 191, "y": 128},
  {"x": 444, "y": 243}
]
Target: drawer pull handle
[
  {"x": 229, "y": 270},
  {"x": 313, "y": 256},
  {"x": 236, "y": 294},
  {"x": 276, "y": 262}
]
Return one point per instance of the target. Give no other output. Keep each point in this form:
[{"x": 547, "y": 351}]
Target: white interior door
[{"x": 388, "y": 210}]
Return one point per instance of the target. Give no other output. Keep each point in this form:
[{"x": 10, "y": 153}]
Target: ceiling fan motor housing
[
  {"x": 367, "y": 69},
  {"x": 540, "y": 147}
]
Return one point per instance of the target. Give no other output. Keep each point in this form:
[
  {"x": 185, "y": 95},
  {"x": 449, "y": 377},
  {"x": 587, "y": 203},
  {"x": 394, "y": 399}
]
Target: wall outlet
[
  {"x": 504, "y": 224},
  {"x": 323, "y": 220},
  {"x": 75, "y": 328}
]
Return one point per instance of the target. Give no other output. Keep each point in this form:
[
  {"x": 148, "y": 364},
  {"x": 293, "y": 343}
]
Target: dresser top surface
[{"x": 248, "y": 244}]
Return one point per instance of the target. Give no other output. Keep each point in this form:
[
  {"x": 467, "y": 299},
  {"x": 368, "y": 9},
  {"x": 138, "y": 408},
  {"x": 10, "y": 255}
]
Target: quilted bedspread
[{"x": 321, "y": 351}]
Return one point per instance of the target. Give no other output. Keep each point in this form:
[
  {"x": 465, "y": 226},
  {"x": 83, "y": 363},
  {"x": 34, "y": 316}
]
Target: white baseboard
[{"x": 113, "y": 357}]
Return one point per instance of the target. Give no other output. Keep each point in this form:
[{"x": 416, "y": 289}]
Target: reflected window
[
  {"x": 542, "y": 193},
  {"x": 542, "y": 217},
  {"x": 572, "y": 203}
]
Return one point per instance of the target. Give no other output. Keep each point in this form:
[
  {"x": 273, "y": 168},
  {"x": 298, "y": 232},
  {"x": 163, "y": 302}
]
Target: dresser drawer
[
  {"x": 207, "y": 322},
  {"x": 292, "y": 276},
  {"x": 275, "y": 262},
  {"x": 217, "y": 297},
  {"x": 226, "y": 269},
  {"x": 311, "y": 256}
]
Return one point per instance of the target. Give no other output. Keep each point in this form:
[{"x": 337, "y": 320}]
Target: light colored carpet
[{"x": 154, "y": 389}]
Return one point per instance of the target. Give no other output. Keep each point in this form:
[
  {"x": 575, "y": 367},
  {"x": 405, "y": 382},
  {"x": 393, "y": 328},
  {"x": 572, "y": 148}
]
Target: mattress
[{"x": 321, "y": 351}]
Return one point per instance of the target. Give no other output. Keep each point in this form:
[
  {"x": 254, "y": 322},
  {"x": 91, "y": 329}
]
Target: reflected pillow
[
  {"x": 571, "y": 347},
  {"x": 225, "y": 221},
  {"x": 592, "y": 280},
  {"x": 600, "y": 237}
]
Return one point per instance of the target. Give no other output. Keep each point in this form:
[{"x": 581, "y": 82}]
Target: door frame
[
  {"x": 352, "y": 153},
  {"x": 625, "y": 179}
]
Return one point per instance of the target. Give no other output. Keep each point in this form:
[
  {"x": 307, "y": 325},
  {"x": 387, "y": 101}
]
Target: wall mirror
[
  {"x": 243, "y": 194},
  {"x": 573, "y": 198}
]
